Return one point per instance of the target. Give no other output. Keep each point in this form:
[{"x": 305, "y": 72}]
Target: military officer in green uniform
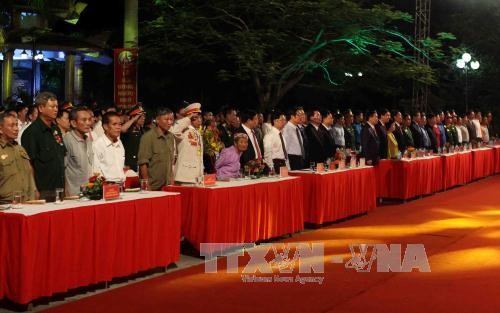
[
  {"x": 349, "y": 133},
  {"x": 15, "y": 168},
  {"x": 451, "y": 131}
]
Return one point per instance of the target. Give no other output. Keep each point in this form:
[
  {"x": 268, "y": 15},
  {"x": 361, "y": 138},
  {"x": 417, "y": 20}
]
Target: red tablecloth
[
  {"x": 403, "y": 179},
  {"x": 497, "y": 159},
  {"x": 335, "y": 195},
  {"x": 256, "y": 210},
  {"x": 52, "y": 252},
  {"x": 483, "y": 163},
  {"x": 457, "y": 169}
]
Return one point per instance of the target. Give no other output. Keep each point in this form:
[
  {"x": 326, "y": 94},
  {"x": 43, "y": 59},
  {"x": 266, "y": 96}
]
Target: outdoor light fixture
[
  {"x": 466, "y": 57},
  {"x": 466, "y": 64},
  {"x": 460, "y": 63},
  {"x": 474, "y": 65},
  {"x": 24, "y": 54},
  {"x": 360, "y": 74}
]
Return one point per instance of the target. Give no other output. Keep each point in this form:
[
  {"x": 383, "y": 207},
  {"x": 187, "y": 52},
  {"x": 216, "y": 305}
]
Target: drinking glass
[
  {"x": 144, "y": 185},
  {"x": 312, "y": 166},
  {"x": 271, "y": 171},
  {"x": 59, "y": 195},
  {"x": 16, "y": 199},
  {"x": 199, "y": 181}
]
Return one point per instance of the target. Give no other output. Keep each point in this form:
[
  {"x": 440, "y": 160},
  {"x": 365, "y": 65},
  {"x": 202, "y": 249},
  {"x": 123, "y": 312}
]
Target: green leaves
[{"x": 274, "y": 43}]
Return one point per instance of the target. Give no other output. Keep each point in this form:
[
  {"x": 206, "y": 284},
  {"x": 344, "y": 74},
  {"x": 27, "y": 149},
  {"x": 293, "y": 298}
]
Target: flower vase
[{"x": 95, "y": 196}]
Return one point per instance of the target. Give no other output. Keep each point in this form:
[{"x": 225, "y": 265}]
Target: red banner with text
[{"x": 125, "y": 60}]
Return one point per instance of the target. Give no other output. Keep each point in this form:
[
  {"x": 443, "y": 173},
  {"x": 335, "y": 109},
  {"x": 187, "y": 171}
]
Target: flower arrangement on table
[
  {"x": 410, "y": 153},
  {"x": 93, "y": 189},
  {"x": 255, "y": 168}
]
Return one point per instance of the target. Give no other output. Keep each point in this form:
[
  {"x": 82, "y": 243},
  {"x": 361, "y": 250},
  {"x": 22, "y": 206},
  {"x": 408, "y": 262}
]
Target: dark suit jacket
[
  {"x": 432, "y": 137},
  {"x": 417, "y": 135},
  {"x": 330, "y": 146},
  {"x": 472, "y": 130},
  {"x": 370, "y": 144},
  {"x": 382, "y": 137},
  {"x": 305, "y": 142},
  {"x": 226, "y": 135},
  {"x": 400, "y": 138},
  {"x": 317, "y": 144},
  {"x": 250, "y": 154}
]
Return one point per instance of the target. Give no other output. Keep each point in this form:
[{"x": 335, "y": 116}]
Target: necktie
[
  {"x": 257, "y": 148},
  {"x": 299, "y": 138},
  {"x": 283, "y": 146}
]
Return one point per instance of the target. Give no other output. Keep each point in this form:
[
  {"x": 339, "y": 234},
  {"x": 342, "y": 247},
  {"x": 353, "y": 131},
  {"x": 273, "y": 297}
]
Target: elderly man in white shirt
[
  {"x": 275, "y": 154},
  {"x": 109, "y": 154}
]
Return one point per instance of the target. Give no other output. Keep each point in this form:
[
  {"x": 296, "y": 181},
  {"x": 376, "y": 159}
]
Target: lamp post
[{"x": 466, "y": 63}]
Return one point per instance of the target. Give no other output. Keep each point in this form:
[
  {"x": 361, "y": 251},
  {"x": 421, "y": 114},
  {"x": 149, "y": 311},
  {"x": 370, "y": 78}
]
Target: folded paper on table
[
  {"x": 111, "y": 191},
  {"x": 209, "y": 179}
]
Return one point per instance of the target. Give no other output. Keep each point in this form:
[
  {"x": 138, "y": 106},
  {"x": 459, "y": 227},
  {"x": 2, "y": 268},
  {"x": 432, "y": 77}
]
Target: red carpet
[{"x": 459, "y": 228}]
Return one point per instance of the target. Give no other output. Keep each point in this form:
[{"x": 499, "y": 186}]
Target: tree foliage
[{"x": 275, "y": 43}]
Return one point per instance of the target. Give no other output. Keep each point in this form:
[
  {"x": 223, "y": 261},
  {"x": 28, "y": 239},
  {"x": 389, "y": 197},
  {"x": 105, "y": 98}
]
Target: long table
[
  {"x": 497, "y": 159},
  {"x": 241, "y": 211},
  {"x": 334, "y": 195},
  {"x": 51, "y": 248},
  {"x": 483, "y": 162},
  {"x": 407, "y": 179},
  {"x": 457, "y": 169}
]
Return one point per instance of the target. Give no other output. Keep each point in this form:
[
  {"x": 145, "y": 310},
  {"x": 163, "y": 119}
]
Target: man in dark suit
[
  {"x": 385, "y": 116},
  {"x": 398, "y": 132},
  {"x": 429, "y": 128},
  {"x": 416, "y": 131},
  {"x": 470, "y": 127},
  {"x": 370, "y": 143},
  {"x": 249, "y": 120},
  {"x": 226, "y": 129},
  {"x": 315, "y": 136},
  {"x": 326, "y": 130}
]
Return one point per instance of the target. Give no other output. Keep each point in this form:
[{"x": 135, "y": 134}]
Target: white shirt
[
  {"x": 292, "y": 142},
  {"x": 21, "y": 130},
  {"x": 338, "y": 135},
  {"x": 109, "y": 158},
  {"x": 266, "y": 127},
  {"x": 459, "y": 134},
  {"x": 251, "y": 138},
  {"x": 272, "y": 146},
  {"x": 465, "y": 133},
  {"x": 477, "y": 125},
  {"x": 98, "y": 131},
  {"x": 486, "y": 134}
]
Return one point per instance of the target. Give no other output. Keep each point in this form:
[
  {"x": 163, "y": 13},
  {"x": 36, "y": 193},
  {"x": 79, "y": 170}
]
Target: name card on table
[
  {"x": 111, "y": 191},
  {"x": 362, "y": 162},
  {"x": 209, "y": 179},
  {"x": 283, "y": 171},
  {"x": 320, "y": 167},
  {"x": 353, "y": 162}
]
